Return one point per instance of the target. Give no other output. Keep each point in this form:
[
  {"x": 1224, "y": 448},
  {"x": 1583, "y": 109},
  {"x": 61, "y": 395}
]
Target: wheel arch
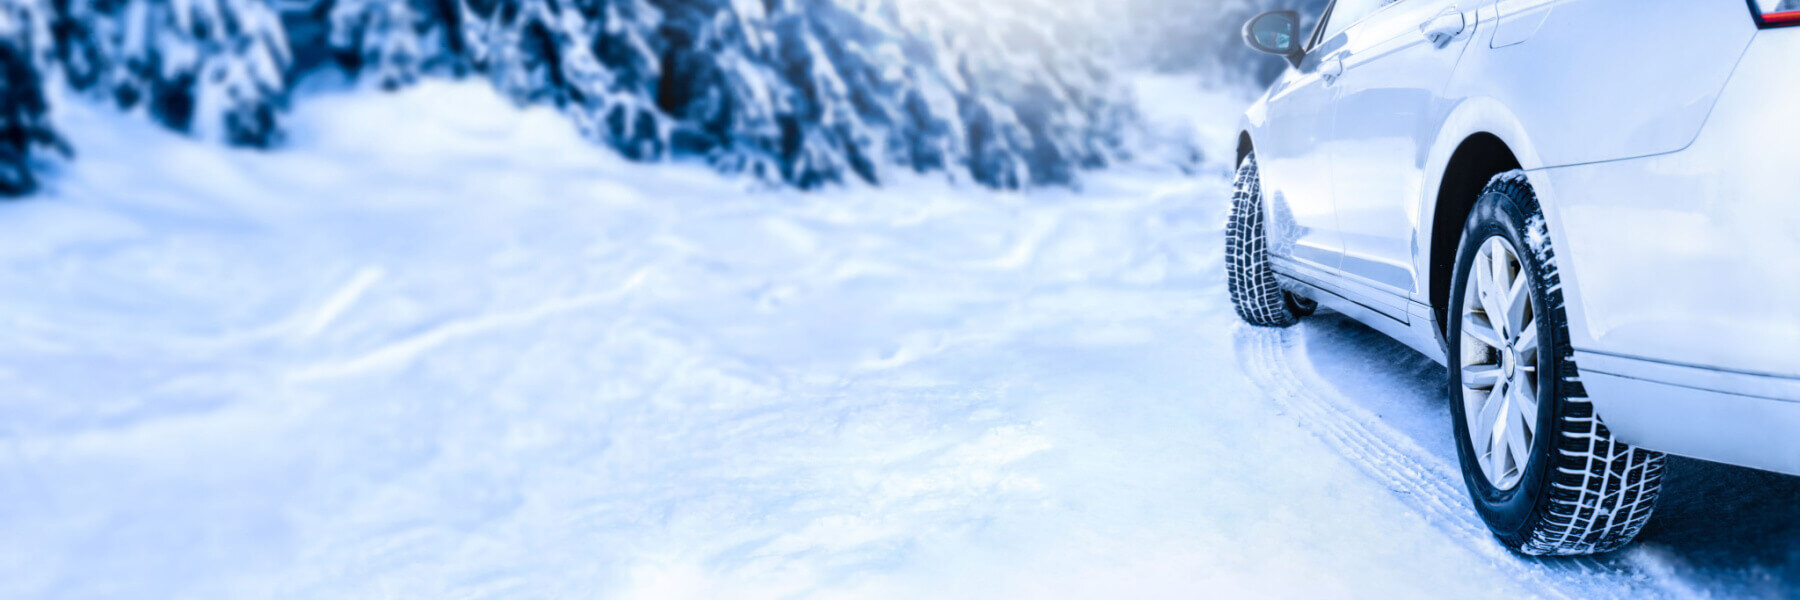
[
  {"x": 1478, "y": 139},
  {"x": 1255, "y": 119},
  {"x": 1476, "y": 160}
]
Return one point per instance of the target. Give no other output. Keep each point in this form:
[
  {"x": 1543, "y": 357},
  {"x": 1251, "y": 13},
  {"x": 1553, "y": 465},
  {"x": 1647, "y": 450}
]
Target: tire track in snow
[
  {"x": 1276, "y": 361},
  {"x": 406, "y": 350},
  {"x": 343, "y": 299}
]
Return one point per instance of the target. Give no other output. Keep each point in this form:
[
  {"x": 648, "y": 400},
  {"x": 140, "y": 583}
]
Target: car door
[
  {"x": 1389, "y": 107},
  {"x": 1296, "y": 171}
]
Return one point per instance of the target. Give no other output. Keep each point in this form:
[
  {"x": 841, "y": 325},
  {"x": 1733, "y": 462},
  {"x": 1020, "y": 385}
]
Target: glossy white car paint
[
  {"x": 1391, "y": 87},
  {"x": 1297, "y": 132},
  {"x": 1517, "y": 20},
  {"x": 1610, "y": 79},
  {"x": 1659, "y": 138}
]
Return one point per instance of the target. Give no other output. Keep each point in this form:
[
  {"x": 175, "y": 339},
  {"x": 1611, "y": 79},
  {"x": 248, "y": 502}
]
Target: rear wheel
[
  {"x": 1255, "y": 291},
  {"x": 1544, "y": 472}
]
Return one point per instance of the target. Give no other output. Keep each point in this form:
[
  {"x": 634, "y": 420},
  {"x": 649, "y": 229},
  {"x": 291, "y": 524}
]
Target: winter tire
[
  {"x": 1543, "y": 471},
  {"x": 1255, "y": 291}
]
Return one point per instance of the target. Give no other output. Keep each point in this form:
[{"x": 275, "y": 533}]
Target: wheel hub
[{"x": 1508, "y": 361}]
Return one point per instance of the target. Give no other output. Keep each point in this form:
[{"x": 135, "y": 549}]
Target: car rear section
[{"x": 1679, "y": 225}]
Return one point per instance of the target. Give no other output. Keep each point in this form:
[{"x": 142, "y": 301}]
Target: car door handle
[
  {"x": 1331, "y": 69},
  {"x": 1439, "y": 30}
]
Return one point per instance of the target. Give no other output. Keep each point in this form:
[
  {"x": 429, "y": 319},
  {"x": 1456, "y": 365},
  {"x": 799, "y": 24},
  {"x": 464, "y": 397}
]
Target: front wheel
[
  {"x": 1256, "y": 293},
  {"x": 1543, "y": 471}
]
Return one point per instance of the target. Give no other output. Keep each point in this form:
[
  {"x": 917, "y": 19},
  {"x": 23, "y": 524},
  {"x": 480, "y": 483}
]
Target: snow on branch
[
  {"x": 25, "y": 131},
  {"x": 216, "y": 68}
]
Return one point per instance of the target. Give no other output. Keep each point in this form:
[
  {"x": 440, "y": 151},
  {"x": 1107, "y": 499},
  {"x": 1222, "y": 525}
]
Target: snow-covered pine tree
[
  {"x": 998, "y": 144},
  {"x": 729, "y": 104},
  {"x": 391, "y": 43},
  {"x": 598, "y": 60},
  {"x": 618, "y": 77},
  {"x": 217, "y": 68},
  {"x": 811, "y": 91},
  {"x": 378, "y": 40},
  {"x": 1029, "y": 78},
  {"x": 836, "y": 134},
  {"x": 807, "y": 91},
  {"x": 25, "y": 129}
]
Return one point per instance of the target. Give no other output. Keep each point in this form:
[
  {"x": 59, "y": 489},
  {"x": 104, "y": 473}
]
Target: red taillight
[
  {"x": 1776, "y": 13},
  {"x": 1791, "y": 17}
]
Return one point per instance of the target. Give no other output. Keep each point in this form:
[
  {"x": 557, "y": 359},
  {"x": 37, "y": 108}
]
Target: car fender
[
  {"x": 1255, "y": 119},
  {"x": 1470, "y": 116}
]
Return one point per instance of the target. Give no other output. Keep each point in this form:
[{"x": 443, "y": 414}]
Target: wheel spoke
[
  {"x": 1481, "y": 377},
  {"x": 1496, "y": 314},
  {"x": 1482, "y": 331},
  {"x": 1518, "y": 298},
  {"x": 1515, "y": 442},
  {"x": 1502, "y": 287},
  {"x": 1481, "y": 432},
  {"x": 1484, "y": 426},
  {"x": 1484, "y": 269},
  {"x": 1499, "y": 452},
  {"x": 1524, "y": 398},
  {"x": 1527, "y": 343}
]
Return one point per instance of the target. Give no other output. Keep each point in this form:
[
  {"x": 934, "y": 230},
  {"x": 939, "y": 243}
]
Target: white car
[{"x": 1589, "y": 210}]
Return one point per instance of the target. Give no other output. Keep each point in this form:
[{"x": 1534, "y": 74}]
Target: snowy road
[{"x": 439, "y": 348}]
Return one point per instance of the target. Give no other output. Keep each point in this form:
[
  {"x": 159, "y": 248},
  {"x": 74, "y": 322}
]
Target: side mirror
[{"x": 1276, "y": 33}]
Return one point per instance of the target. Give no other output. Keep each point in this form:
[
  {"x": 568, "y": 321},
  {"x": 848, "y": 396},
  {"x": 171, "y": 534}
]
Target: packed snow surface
[{"x": 441, "y": 348}]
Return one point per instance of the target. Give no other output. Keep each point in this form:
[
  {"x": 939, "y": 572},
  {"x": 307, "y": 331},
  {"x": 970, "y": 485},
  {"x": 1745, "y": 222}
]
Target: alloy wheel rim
[{"x": 1499, "y": 361}]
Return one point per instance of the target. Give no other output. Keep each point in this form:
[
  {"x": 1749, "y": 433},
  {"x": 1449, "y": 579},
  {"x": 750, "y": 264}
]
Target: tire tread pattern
[
  {"x": 1600, "y": 491},
  {"x": 1256, "y": 293}
]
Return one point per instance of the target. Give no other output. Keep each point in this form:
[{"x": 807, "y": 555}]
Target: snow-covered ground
[{"x": 441, "y": 348}]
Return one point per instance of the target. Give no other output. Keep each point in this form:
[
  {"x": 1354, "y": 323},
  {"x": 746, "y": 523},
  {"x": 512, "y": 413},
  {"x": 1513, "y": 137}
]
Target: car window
[{"x": 1345, "y": 13}]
